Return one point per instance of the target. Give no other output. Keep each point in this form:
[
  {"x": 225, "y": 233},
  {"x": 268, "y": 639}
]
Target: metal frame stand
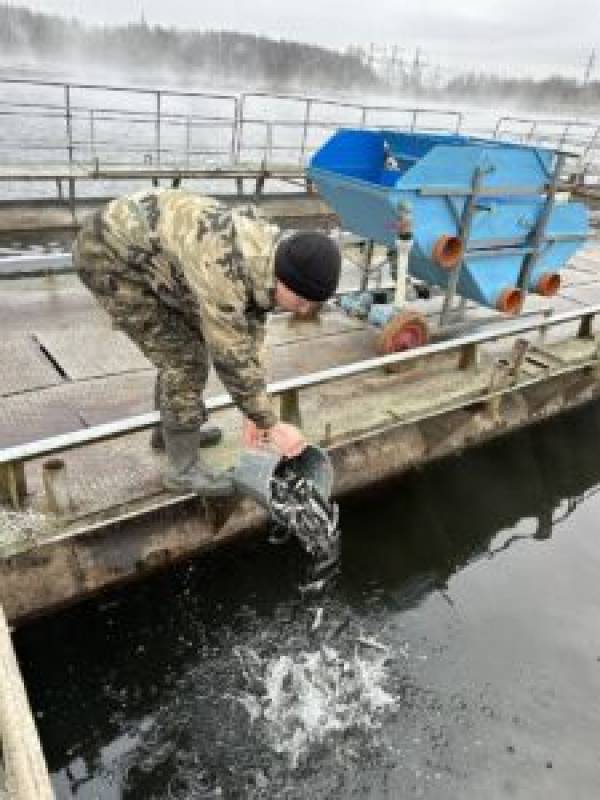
[
  {"x": 464, "y": 233},
  {"x": 539, "y": 231}
]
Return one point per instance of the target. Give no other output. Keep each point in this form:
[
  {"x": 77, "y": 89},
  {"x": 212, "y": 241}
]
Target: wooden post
[
  {"x": 13, "y": 486},
  {"x": 290, "y": 408},
  {"x": 586, "y": 330},
  {"x": 469, "y": 357},
  {"x": 25, "y": 766}
]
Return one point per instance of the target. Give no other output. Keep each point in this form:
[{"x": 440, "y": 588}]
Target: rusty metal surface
[
  {"x": 24, "y": 366},
  {"x": 92, "y": 352}
]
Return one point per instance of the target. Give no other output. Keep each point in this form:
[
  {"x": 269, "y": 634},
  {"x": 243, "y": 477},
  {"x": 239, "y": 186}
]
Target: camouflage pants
[{"x": 169, "y": 336}]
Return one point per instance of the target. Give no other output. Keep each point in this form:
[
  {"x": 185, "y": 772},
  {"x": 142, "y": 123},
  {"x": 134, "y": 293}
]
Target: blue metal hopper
[{"x": 484, "y": 214}]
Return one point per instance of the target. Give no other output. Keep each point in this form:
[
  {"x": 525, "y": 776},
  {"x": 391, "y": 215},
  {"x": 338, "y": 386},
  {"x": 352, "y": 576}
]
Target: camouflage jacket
[{"x": 216, "y": 264}]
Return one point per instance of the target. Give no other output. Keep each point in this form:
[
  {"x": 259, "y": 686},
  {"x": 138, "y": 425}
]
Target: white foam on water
[{"x": 301, "y": 700}]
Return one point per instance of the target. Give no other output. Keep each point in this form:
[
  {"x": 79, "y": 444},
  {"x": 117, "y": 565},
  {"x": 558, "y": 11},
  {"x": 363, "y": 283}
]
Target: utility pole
[
  {"x": 417, "y": 68},
  {"x": 589, "y": 67},
  {"x": 371, "y": 57}
]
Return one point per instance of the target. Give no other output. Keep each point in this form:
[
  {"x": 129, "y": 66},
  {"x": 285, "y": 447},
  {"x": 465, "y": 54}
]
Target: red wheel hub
[{"x": 404, "y": 332}]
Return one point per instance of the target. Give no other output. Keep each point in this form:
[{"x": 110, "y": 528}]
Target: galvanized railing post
[
  {"x": 234, "y": 130},
  {"x": 69, "y": 124},
  {"x": 92, "y": 134},
  {"x": 157, "y": 141},
  {"x": 563, "y": 138},
  {"x": 188, "y": 138},
  {"x": 268, "y": 145},
  {"x": 308, "y": 106},
  {"x": 240, "y": 127},
  {"x": 591, "y": 144}
]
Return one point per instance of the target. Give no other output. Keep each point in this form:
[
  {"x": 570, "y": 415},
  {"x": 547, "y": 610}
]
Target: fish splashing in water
[{"x": 307, "y": 698}]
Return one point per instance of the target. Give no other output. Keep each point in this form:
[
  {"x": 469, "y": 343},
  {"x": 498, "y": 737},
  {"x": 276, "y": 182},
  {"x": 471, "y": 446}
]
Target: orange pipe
[
  {"x": 447, "y": 251},
  {"x": 548, "y": 284},
  {"x": 510, "y": 301}
]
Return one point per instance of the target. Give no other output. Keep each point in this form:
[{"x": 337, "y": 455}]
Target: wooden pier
[
  {"x": 23, "y": 770},
  {"x": 77, "y": 389},
  {"x": 76, "y": 394}
]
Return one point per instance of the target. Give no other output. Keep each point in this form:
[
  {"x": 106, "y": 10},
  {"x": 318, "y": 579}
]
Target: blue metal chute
[{"x": 495, "y": 199}]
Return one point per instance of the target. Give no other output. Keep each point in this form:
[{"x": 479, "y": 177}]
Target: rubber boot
[
  {"x": 186, "y": 471},
  {"x": 210, "y": 434}
]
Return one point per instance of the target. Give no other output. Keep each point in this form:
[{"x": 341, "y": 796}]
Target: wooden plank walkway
[
  {"x": 378, "y": 423},
  {"x": 68, "y": 368}
]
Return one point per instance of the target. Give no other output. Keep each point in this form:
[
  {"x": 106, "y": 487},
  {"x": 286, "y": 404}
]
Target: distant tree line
[
  {"x": 148, "y": 52},
  {"x": 535, "y": 94},
  {"x": 142, "y": 49}
]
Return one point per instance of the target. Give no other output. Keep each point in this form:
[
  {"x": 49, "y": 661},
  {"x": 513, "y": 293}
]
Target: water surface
[{"x": 456, "y": 655}]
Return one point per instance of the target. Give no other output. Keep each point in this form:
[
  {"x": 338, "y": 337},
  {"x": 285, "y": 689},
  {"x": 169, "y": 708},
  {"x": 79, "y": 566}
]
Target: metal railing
[
  {"x": 308, "y": 115},
  {"x": 13, "y": 459},
  {"x": 577, "y": 136},
  {"x": 77, "y": 132},
  {"x": 102, "y": 125}
]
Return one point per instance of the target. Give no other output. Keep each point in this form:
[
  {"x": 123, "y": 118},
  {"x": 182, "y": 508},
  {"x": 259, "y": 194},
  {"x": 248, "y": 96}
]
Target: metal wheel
[{"x": 405, "y": 331}]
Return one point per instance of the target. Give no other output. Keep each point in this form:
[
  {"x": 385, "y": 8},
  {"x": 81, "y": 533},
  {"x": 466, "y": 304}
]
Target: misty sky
[{"x": 504, "y": 35}]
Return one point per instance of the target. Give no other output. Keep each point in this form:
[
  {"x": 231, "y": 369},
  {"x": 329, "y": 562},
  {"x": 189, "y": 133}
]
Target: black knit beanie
[{"x": 309, "y": 264}]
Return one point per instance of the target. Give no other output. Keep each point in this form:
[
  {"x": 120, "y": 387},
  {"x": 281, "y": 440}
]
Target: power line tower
[
  {"x": 589, "y": 67},
  {"x": 417, "y": 68}
]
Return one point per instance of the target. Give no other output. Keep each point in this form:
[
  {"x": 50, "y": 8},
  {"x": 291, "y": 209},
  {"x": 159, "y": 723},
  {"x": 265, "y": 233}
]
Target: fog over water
[{"x": 542, "y": 37}]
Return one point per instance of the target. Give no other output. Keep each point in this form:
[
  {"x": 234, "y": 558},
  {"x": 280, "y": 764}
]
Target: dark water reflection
[{"x": 482, "y": 576}]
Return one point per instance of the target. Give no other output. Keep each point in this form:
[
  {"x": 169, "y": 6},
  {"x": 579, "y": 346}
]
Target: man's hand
[
  {"x": 252, "y": 436},
  {"x": 286, "y": 439},
  {"x": 283, "y": 438}
]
